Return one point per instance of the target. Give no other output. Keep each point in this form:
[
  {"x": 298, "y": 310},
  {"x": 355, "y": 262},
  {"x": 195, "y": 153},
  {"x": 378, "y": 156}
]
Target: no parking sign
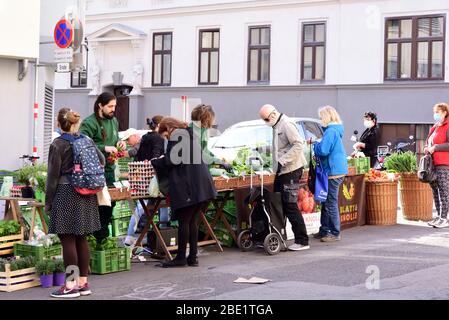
[{"x": 63, "y": 34}]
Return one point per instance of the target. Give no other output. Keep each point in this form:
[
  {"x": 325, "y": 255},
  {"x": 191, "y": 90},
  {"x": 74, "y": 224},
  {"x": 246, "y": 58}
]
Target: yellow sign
[{"x": 348, "y": 193}]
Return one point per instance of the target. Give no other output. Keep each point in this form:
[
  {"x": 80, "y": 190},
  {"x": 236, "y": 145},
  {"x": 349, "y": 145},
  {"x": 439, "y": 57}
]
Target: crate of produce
[
  {"x": 123, "y": 209},
  {"x": 362, "y": 164},
  {"x": 38, "y": 252},
  {"x": 109, "y": 261},
  {"x": 222, "y": 184},
  {"x": 118, "y": 194},
  {"x": 10, "y": 233},
  {"x": 17, "y": 280},
  {"x": 140, "y": 174},
  {"x": 119, "y": 226}
]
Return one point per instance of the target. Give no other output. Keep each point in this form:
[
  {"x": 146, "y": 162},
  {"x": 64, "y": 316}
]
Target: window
[
  {"x": 414, "y": 48},
  {"x": 162, "y": 56},
  {"x": 313, "y": 51},
  {"x": 259, "y": 54},
  {"x": 209, "y": 56}
]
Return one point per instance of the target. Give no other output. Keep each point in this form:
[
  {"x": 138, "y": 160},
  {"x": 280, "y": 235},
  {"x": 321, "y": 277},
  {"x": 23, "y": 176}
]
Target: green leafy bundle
[
  {"x": 8, "y": 228},
  {"x": 402, "y": 163}
]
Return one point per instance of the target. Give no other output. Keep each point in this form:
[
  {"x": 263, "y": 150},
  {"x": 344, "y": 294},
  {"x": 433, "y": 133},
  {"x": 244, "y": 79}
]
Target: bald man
[{"x": 288, "y": 162}]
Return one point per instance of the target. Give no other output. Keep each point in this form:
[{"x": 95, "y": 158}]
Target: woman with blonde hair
[
  {"x": 332, "y": 156},
  {"x": 438, "y": 146},
  {"x": 190, "y": 186},
  {"x": 72, "y": 216}
]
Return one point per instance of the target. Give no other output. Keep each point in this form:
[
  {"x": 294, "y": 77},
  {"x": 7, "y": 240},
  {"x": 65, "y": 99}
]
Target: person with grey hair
[{"x": 288, "y": 162}]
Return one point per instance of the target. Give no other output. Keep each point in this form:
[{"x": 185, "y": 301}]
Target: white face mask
[{"x": 368, "y": 124}]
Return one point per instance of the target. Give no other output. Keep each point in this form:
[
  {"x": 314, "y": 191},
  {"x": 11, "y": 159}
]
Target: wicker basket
[
  {"x": 118, "y": 194},
  {"x": 381, "y": 203},
  {"x": 416, "y": 198}
]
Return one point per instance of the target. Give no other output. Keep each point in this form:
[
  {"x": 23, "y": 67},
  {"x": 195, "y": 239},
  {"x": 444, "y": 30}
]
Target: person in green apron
[{"x": 102, "y": 128}]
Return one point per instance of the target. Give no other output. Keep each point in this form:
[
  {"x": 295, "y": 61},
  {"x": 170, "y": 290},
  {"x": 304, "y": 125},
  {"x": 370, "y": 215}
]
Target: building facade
[{"x": 387, "y": 56}]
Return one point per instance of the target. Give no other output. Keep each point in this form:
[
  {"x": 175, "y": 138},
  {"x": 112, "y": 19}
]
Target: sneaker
[
  {"x": 433, "y": 221},
  {"x": 85, "y": 290},
  {"x": 330, "y": 238},
  {"x": 298, "y": 247},
  {"x": 318, "y": 235},
  {"x": 130, "y": 241},
  {"x": 442, "y": 223},
  {"x": 64, "y": 292}
]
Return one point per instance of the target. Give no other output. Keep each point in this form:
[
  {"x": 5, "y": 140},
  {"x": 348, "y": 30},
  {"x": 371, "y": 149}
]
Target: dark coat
[
  {"x": 190, "y": 182},
  {"x": 371, "y": 139},
  {"x": 151, "y": 146}
]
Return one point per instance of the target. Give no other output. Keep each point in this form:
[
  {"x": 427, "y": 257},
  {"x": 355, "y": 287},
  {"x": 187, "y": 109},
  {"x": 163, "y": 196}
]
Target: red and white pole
[
  {"x": 35, "y": 108},
  {"x": 184, "y": 108}
]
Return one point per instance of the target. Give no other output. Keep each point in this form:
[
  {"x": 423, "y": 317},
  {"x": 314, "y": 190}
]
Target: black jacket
[
  {"x": 151, "y": 146},
  {"x": 190, "y": 181},
  {"x": 371, "y": 139}
]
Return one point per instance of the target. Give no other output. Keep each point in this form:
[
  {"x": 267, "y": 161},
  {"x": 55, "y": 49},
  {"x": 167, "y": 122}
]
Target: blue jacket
[{"x": 331, "y": 151}]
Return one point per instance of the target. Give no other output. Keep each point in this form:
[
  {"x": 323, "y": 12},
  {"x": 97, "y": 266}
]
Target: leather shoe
[
  {"x": 174, "y": 263},
  {"x": 192, "y": 261}
]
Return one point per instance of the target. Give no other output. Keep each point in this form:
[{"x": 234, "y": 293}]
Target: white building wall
[{"x": 354, "y": 37}]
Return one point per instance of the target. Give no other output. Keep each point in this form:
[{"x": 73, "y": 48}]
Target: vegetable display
[
  {"x": 381, "y": 176},
  {"x": 8, "y": 228},
  {"x": 401, "y": 162},
  {"x": 306, "y": 201}
]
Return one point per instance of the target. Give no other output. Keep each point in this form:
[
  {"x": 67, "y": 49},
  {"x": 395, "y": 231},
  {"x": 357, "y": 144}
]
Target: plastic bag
[{"x": 153, "y": 189}]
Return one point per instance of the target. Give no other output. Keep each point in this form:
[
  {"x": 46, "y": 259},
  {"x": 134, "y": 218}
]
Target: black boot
[
  {"x": 174, "y": 263},
  {"x": 192, "y": 261}
]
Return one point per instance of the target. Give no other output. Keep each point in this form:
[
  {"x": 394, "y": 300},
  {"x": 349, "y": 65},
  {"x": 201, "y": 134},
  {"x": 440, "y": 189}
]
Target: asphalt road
[{"x": 410, "y": 261}]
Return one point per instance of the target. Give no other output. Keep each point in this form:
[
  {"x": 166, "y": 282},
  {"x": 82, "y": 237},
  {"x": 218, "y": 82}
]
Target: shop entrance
[{"x": 122, "y": 109}]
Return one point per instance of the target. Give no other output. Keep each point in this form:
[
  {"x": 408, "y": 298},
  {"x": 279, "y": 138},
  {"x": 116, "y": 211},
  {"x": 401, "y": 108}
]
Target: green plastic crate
[
  {"x": 362, "y": 165},
  {"x": 115, "y": 260},
  {"x": 122, "y": 209},
  {"x": 119, "y": 226},
  {"x": 25, "y": 250}
]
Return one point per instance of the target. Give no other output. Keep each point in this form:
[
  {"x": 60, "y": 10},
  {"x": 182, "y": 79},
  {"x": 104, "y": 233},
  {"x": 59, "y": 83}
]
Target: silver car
[{"x": 256, "y": 133}]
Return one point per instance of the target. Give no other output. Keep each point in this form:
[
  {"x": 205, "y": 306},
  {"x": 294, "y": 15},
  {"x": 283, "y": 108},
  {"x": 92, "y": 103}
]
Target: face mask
[
  {"x": 368, "y": 124},
  {"x": 437, "y": 117}
]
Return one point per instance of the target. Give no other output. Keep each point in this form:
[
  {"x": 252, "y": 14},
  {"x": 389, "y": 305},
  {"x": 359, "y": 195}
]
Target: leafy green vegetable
[
  {"x": 8, "y": 228},
  {"x": 401, "y": 162}
]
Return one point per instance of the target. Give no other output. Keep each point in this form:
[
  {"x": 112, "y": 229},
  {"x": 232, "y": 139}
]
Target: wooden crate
[
  {"x": 7, "y": 243},
  {"x": 118, "y": 194},
  {"x": 17, "y": 280}
]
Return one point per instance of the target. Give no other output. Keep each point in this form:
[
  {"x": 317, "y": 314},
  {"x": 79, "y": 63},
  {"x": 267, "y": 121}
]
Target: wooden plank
[
  {"x": 12, "y": 237},
  {"x": 24, "y": 279},
  {"x": 5, "y": 252},
  {"x": 21, "y": 272},
  {"x": 21, "y": 286},
  {"x": 206, "y": 243}
]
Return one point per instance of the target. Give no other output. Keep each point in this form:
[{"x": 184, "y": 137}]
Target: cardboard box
[{"x": 170, "y": 236}]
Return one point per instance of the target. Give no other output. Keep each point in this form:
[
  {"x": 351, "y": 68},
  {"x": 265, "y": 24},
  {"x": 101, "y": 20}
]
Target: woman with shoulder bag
[
  {"x": 190, "y": 186},
  {"x": 438, "y": 146},
  {"x": 332, "y": 157}
]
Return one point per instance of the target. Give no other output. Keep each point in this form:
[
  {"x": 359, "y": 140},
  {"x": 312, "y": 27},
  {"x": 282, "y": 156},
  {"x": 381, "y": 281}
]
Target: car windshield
[{"x": 245, "y": 137}]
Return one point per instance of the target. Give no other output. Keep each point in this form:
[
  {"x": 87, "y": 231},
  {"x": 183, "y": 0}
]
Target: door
[{"x": 122, "y": 112}]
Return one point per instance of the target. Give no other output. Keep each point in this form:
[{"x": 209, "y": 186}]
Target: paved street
[{"x": 412, "y": 261}]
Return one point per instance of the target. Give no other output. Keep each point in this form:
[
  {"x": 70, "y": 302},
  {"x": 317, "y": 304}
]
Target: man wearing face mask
[
  {"x": 369, "y": 141},
  {"x": 288, "y": 162}
]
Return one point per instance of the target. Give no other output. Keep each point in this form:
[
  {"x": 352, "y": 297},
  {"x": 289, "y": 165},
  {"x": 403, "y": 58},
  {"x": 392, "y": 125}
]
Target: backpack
[
  {"x": 87, "y": 175},
  {"x": 426, "y": 170}
]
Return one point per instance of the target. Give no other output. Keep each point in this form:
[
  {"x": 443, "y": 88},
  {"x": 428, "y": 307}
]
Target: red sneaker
[{"x": 85, "y": 290}]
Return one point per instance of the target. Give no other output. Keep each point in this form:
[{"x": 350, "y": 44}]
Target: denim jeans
[
  {"x": 164, "y": 218},
  {"x": 330, "y": 212}
]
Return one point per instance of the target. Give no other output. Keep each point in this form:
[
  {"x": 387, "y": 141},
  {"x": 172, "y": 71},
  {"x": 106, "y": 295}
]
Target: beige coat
[{"x": 288, "y": 146}]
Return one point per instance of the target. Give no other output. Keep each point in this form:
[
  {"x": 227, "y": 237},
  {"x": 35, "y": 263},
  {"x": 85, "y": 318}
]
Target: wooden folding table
[{"x": 151, "y": 208}]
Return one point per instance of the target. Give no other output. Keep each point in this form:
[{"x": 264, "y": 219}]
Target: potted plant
[
  {"x": 24, "y": 175},
  {"x": 59, "y": 275},
  {"x": 45, "y": 270},
  {"x": 416, "y": 196}
]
